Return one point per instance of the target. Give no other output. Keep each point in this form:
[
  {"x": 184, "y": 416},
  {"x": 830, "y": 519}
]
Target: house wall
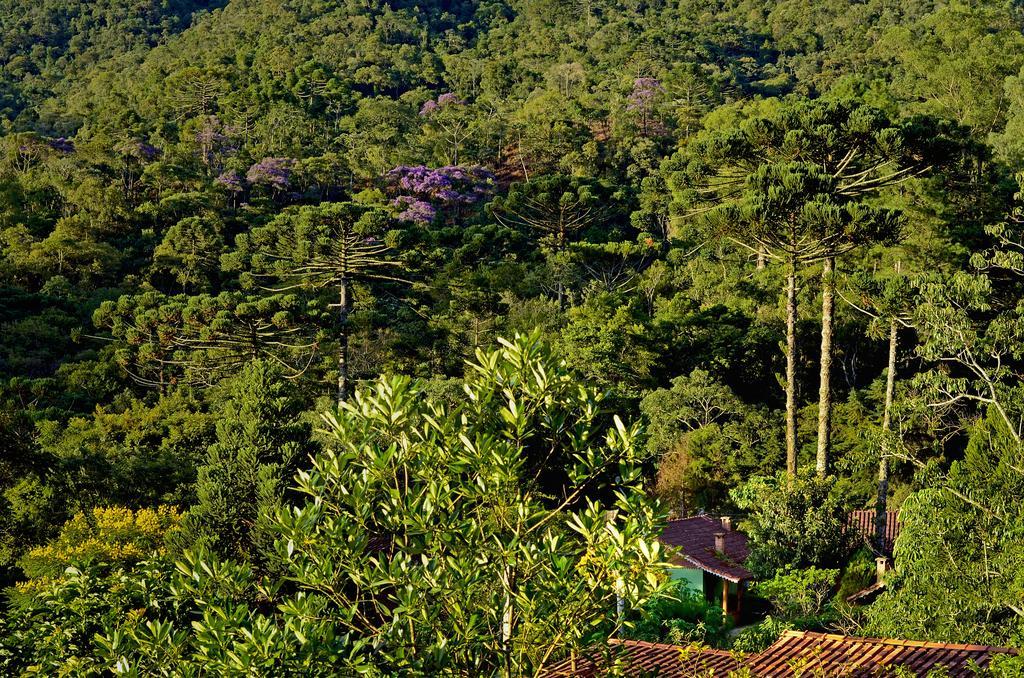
[
  {"x": 713, "y": 588},
  {"x": 693, "y": 577}
]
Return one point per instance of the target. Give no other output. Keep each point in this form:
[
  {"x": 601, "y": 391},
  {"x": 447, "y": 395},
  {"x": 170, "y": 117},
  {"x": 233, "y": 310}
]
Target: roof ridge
[
  {"x": 705, "y": 516},
  {"x": 669, "y": 646},
  {"x": 642, "y": 643}
]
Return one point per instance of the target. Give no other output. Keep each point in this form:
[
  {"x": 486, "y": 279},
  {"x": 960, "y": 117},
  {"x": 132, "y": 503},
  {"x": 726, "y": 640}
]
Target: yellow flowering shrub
[{"x": 113, "y": 535}]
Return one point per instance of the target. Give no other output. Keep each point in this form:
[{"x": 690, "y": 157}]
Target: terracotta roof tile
[
  {"x": 834, "y": 655},
  {"x": 796, "y": 653},
  {"x": 863, "y": 521},
  {"x": 695, "y": 537},
  {"x": 639, "y": 659}
]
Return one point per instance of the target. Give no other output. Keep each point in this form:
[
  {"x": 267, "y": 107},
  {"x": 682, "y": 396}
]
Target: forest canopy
[{"x": 544, "y": 273}]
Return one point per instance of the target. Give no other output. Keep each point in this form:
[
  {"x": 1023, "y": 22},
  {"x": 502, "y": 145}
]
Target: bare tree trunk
[
  {"x": 791, "y": 368},
  {"x": 881, "y": 515},
  {"x": 344, "y": 308},
  {"x": 762, "y": 258},
  {"x": 825, "y": 376}
]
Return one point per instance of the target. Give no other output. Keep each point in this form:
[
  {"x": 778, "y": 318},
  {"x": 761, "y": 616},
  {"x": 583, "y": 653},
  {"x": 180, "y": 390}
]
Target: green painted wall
[{"x": 693, "y": 577}]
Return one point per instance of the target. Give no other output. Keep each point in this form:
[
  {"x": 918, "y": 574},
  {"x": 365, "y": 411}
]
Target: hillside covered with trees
[{"x": 350, "y": 337}]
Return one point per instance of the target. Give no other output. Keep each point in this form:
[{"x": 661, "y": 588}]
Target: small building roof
[
  {"x": 809, "y": 653},
  {"x": 695, "y": 537},
  {"x": 636, "y": 658},
  {"x": 795, "y": 653},
  {"x": 863, "y": 522}
]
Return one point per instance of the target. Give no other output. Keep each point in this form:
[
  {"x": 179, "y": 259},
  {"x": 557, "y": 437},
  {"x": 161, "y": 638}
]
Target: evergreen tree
[
  {"x": 260, "y": 441},
  {"x": 795, "y": 185}
]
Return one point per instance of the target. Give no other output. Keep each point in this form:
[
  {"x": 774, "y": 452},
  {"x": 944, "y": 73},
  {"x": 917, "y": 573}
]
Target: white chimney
[
  {"x": 727, "y": 523},
  {"x": 881, "y": 565},
  {"x": 720, "y": 542}
]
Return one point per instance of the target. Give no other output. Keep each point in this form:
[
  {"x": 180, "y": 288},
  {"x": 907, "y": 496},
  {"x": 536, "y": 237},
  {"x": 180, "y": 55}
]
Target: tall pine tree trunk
[
  {"x": 881, "y": 515},
  {"x": 344, "y": 308},
  {"x": 791, "y": 368},
  {"x": 825, "y": 377}
]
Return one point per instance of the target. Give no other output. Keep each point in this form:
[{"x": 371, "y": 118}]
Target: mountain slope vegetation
[{"x": 785, "y": 236}]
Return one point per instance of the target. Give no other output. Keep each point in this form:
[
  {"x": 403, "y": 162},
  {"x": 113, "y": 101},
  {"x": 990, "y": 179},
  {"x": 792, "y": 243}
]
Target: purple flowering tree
[
  {"x": 137, "y": 150},
  {"x": 273, "y": 173},
  {"x": 422, "y": 192},
  {"x": 231, "y": 181},
  {"x": 415, "y": 210},
  {"x": 448, "y": 119},
  {"x": 643, "y": 101},
  {"x": 62, "y": 145},
  {"x": 32, "y": 148},
  {"x": 134, "y": 154},
  {"x": 214, "y": 142}
]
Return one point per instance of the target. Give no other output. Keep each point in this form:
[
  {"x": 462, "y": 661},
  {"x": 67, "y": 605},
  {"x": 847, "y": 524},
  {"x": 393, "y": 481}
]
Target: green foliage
[
  {"x": 504, "y": 531},
  {"x": 187, "y": 188},
  {"x": 682, "y": 616},
  {"x": 259, "y": 446},
  {"x": 947, "y": 62},
  {"x": 794, "y": 522},
  {"x": 53, "y": 630},
  {"x": 190, "y": 251},
  {"x": 524, "y": 562},
  {"x": 800, "y": 594},
  {"x": 708, "y": 441},
  {"x": 961, "y": 537},
  {"x": 757, "y": 637}
]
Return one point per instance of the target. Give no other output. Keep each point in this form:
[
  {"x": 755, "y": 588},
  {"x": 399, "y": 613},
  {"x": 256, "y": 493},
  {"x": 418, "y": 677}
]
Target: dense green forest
[{"x": 350, "y": 337}]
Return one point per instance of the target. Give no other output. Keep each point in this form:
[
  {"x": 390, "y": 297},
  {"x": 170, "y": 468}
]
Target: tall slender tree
[
  {"x": 557, "y": 208},
  {"x": 327, "y": 247},
  {"x": 796, "y": 186},
  {"x": 889, "y": 302}
]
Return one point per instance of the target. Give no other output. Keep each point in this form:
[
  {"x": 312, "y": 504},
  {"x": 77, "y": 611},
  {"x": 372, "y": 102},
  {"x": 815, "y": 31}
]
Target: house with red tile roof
[
  {"x": 795, "y": 653},
  {"x": 708, "y": 555},
  {"x": 863, "y": 523}
]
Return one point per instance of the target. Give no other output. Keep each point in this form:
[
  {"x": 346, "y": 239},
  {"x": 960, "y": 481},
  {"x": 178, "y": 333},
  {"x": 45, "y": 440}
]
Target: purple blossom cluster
[
  {"x": 645, "y": 91},
  {"x": 273, "y": 172},
  {"x": 211, "y": 133},
  {"x": 138, "y": 150},
  {"x": 214, "y": 140},
  {"x": 449, "y": 185},
  {"x": 422, "y": 190},
  {"x": 62, "y": 145},
  {"x": 415, "y": 210},
  {"x": 446, "y": 99},
  {"x": 230, "y": 181}
]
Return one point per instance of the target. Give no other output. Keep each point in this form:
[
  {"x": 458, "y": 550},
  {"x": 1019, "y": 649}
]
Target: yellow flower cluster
[{"x": 108, "y": 535}]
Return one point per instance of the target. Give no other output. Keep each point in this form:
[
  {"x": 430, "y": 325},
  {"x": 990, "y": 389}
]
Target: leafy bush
[
  {"x": 681, "y": 616},
  {"x": 51, "y": 630},
  {"x": 491, "y": 537},
  {"x": 759, "y": 636},
  {"x": 798, "y": 522},
  {"x": 800, "y": 593}
]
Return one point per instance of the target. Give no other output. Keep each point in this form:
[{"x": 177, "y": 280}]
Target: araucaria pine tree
[{"x": 797, "y": 186}]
